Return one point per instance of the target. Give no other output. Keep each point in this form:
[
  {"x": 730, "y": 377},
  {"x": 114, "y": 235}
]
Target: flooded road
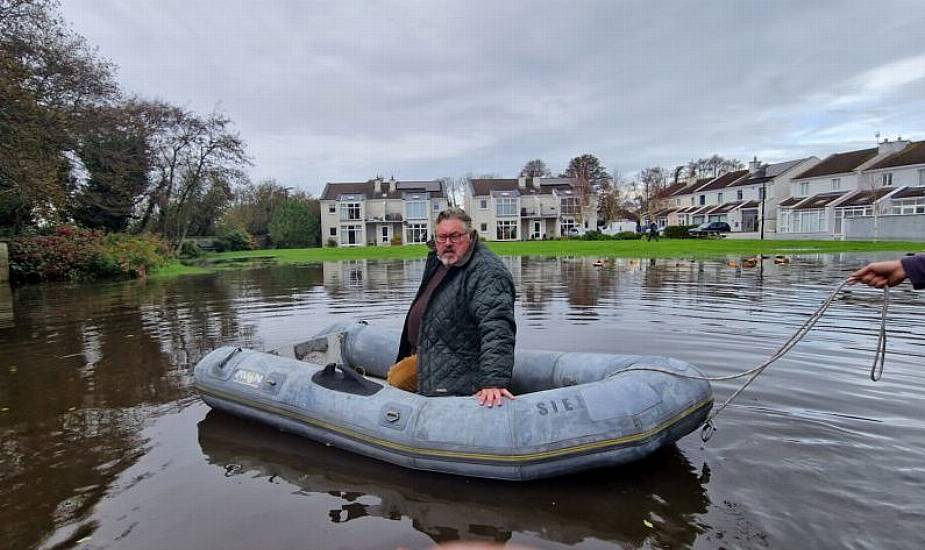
[{"x": 106, "y": 445}]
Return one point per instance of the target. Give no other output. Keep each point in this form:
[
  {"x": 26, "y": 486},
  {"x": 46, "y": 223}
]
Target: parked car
[{"x": 710, "y": 229}]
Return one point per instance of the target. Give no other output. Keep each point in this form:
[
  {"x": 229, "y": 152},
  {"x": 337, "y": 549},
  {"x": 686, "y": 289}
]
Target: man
[
  {"x": 893, "y": 272},
  {"x": 460, "y": 327},
  {"x": 653, "y": 231}
]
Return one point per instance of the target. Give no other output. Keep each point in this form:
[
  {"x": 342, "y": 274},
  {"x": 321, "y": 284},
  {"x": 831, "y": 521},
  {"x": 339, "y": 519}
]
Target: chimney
[
  {"x": 522, "y": 183},
  {"x": 392, "y": 184},
  {"x": 754, "y": 165},
  {"x": 892, "y": 146}
]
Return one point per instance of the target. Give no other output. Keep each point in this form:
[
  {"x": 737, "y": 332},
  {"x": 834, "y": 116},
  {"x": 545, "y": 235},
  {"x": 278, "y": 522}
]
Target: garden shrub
[
  {"x": 678, "y": 231},
  {"x": 74, "y": 254},
  {"x": 332, "y": 242},
  {"x": 189, "y": 249},
  {"x": 234, "y": 239},
  {"x": 627, "y": 236}
]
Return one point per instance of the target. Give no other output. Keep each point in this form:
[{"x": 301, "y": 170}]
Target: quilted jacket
[
  {"x": 467, "y": 333},
  {"x": 914, "y": 266}
]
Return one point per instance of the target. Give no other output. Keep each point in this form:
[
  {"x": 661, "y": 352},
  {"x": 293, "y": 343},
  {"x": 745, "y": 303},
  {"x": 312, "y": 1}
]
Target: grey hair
[{"x": 454, "y": 213}]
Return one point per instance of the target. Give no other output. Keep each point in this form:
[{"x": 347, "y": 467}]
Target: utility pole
[{"x": 764, "y": 195}]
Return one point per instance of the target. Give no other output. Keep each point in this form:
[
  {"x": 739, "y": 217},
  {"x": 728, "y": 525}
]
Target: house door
[
  {"x": 536, "y": 231},
  {"x": 384, "y": 234},
  {"x": 749, "y": 220}
]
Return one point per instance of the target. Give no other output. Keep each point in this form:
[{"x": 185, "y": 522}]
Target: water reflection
[{"x": 609, "y": 505}]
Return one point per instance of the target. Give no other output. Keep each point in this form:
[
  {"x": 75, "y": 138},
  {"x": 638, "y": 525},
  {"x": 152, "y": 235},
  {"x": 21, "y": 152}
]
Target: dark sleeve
[
  {"x": 491, "y": 293},
  {"x": 914, "y": 266}
]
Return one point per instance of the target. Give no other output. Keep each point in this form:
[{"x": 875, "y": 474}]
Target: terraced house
[
  {"x": 877, "y": 192},
  {"x": 530, "y": 208},
  {"x": 380, "y": 212}
]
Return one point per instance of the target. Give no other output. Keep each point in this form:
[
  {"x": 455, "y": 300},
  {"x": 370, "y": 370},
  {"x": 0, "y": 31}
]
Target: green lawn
[{"x": 664, "y": 248}]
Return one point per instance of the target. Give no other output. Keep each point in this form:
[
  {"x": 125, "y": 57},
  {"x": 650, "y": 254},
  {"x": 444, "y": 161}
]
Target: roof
[
  {"x": 372, "y": 189},
  {"x": 691, "y": 187},
  {"x": 819, "y": 201},
  {"x": 725, "y": 207},
  {"x": 909, "y": 193},
  {"x": 688, "y": 210},
  {"x": 914, "y": 153},
  {"x": 751, "y": 204},
  {"x": 723, "y": 181},
  {"x": 790, "y": 201},
  {"x": 532, "y": 186},
  {"x": 767, "y": 172},
  {"x": 867, "y": 197},
  {"x": 839, "y": 163},
  {"x": 702, "y": 209}
]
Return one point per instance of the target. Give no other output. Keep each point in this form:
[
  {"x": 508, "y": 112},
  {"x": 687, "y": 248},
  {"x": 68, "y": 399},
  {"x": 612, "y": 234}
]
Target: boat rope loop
[{"x": 876, "y": 370}]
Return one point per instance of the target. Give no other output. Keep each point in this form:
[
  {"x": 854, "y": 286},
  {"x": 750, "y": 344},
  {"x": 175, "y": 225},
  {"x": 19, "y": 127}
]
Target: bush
[
  {"x": 628, "y": 236},
  {"x": 332, "y": 242},
  {"x": 73, "y": 254},
  {"x": 396, "y": 239},
  {"x": 594, "y": 236},
  {"x": 189, "y": 249},
  {"x": 233, "y": 240},
  {"x": 678, "y": 231},
  {"x": 293, "y": 225}
]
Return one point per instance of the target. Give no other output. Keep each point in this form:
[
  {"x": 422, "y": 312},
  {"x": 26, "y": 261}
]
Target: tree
[
  {"x": 590, "y": 175},
  {"x": 293, "y": 225},
  {"x": 535, "y": 168},
  {"x": 653, "y": 182}
]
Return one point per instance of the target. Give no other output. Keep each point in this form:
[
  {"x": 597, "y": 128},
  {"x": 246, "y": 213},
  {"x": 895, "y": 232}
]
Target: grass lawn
[{"x": 664, "y": 248}]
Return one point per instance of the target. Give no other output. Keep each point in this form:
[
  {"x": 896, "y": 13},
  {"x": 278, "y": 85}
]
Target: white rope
[{"x": 876, "y": 371}]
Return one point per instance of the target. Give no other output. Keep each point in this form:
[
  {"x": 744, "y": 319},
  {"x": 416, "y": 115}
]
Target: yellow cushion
[{"x": 404, "y": 374}]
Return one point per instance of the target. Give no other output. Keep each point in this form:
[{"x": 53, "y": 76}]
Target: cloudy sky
[{"x": 346, "y": 90}]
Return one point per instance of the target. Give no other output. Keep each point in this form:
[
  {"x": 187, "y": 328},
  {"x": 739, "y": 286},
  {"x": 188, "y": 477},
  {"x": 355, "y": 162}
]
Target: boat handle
[
  {"x": 392, "y": 415},
  {"x": 228, "y": 358}
]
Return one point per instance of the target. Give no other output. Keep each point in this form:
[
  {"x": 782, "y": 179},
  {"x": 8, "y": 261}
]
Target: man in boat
[
  {"x": 458, "y": 337},
  {"x": 893, "y": 272}
]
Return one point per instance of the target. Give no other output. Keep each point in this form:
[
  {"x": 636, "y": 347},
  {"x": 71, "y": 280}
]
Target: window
[
  {"x": 808, "y": 221},
  {"x": 483, "y": 228},
  {"x": 350, "y": 234},
  {"x": 719, "y": 198},
  {"x": 804, "y": 189},
  {"x": 703, "y": 200},
  {"x": 692, "y": 201},
  {"x": 739, "y": 195},
  {"x": 569, "y": 205},
  {"x": 762, "y": 191},
  {"x": 915, "y": 205},
  {"x": 384, "y": 234},
  {"x": 886, "y": 179},
  {"x": 417, "y": 233},
  {"x": 332, "y": 208},
  {"x": 506, "y": 207},
  {"x": 921, "y": 177},
  {"x": 333, "y": 231},
  {"x": 566, "y": 226},
  {"x": 416, "y": 209},
  {"x": 437, "y": 206},
  {"x": 507, "y": 230},
  {"x": 350, "y": 211},
  {"x": 836, "y": 184},
  {"x": 483, "y": 204}
]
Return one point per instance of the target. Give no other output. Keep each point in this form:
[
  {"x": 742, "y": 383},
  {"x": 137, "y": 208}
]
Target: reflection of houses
[
  {"x": 529, "y": 208},
  {"x": 380, "y": 212},
  {"x": 869, "y": 193}
]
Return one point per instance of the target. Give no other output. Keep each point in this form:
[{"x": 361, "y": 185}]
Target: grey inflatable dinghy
[{"x": 573, "y": 411}]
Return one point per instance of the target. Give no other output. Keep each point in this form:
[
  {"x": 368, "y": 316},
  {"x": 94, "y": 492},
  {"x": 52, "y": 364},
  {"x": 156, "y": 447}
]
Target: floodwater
[{"x": 106, "y": 445}]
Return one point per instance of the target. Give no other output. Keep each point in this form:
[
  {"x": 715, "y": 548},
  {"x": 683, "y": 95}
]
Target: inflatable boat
[{"x": 573, "y": 411}]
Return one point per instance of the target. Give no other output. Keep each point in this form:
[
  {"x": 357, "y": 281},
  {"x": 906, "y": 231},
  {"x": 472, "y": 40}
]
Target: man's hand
[
  {"x": 880, "y": 274},
  {"x": 492, "y": 396}
]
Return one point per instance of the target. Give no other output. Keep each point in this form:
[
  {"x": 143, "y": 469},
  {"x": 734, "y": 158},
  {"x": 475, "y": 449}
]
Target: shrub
[
  {"x": 73, "y": 254},
  {"x": 628, "y": 236},
  {"x": 678, "y": 231},
  {"x": 594, "y": 236},
  {"x": 234, "y": 239},
  {"x": 293, "y": 225},
  {"x": 396, "y": 239},
  {"x": 189, "y": 249},
  {"x": 332, "y": 242}
]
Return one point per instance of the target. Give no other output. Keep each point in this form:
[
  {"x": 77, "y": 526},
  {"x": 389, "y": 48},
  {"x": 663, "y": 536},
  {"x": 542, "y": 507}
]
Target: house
[
  {"x": 380, "y": 212},
  {"x": 861, "y": 186},
  {"x": 530, "y": 208}
]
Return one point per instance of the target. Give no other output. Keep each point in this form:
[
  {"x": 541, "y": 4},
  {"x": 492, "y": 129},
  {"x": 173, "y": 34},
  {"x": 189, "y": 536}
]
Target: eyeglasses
[{"x": 451, "y": 238}]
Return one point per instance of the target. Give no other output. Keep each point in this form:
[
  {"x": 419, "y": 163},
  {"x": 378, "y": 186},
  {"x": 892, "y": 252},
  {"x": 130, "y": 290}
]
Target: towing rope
[{"x": 876, "y": 370}]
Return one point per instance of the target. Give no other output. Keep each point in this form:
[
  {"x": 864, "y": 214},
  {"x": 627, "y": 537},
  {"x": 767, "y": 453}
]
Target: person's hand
[
  {"x": 879, "y": 274},
  {"x": 492, "y": 396}
]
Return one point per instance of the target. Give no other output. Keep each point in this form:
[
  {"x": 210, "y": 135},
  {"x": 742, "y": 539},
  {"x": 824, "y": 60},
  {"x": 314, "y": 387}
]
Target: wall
[{"x": 896, "y": 228}]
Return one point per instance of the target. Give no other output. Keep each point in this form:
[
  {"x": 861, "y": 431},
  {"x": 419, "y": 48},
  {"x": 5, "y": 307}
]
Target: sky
[{"x": 418, "y": 90}]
